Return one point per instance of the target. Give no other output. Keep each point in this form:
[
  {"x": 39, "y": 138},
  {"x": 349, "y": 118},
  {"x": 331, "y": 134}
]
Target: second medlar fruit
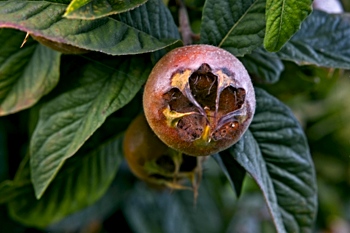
[{"x": 155, "y": 163}]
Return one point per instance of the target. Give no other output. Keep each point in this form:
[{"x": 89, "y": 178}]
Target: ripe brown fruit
[
  {"x": 155, "y": 163},
  {"x": 199, "y": 99}
]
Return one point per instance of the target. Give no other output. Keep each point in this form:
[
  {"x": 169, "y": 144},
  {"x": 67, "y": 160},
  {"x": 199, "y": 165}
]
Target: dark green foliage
[{"x": 74, "y": 110}]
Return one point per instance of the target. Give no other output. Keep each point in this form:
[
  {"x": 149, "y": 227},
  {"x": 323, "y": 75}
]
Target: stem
[
  {"x": 25, "y": 39},
  {"x": 185, "y": 28}
]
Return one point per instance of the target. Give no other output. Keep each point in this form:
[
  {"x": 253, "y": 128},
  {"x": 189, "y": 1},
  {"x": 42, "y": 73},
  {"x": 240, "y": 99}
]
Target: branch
[{"x": 185, "y": 29}]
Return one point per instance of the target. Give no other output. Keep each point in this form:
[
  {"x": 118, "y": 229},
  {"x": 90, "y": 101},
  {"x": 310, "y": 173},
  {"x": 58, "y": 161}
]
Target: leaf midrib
[
  {"x": 69, "y": 152},
  {"x": 281, "y": 22},
  {"x": 237, "y": 23}
]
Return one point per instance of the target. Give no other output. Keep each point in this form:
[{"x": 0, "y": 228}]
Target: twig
[
  {"x": 185, "y": 28},
  {"x": 25, "y": 39}
]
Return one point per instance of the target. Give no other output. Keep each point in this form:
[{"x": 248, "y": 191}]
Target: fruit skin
[
  {"x": 168, "y": 74},
  {"x": 154, "y": 162},
  {"x": 141, "y": 145}
]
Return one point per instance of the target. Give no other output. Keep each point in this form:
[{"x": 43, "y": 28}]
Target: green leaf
[
  {"x": 4, "y": 155},
  {"x": 9, "y": 191},
  {"x": 76, "y": 5},
  {"x": 234, "y": 172},
  {"x": 323, "y": 40},
  {"x": 248, "y": 155},
  {"x": 53, "y": 1},
  {"x": 283, "y": 20},
  {"x": 263, "y": 67},
  {"x": 68, "y": 120},
  {"x": 27, "y": 73},
  {"x": 82, "y": 181},
  {"x": 252, "y": 215},
  {"x": 275, "y": 153},
  {"x": 152, "y": 18},
  {"x": 103, "y": 208},
  {"x": 93, "y": 9},
  {"x": 45, "y": 19},
  {"x": 237, "y": 26}
]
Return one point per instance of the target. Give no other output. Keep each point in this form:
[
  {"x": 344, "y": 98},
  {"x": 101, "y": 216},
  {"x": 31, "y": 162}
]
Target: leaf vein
[{"x": 237, "y": 23}]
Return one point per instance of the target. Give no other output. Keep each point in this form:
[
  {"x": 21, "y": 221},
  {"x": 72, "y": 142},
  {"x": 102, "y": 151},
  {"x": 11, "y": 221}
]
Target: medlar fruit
[
  {"x": 155, "y": 163},
  {"x": 199, "y": 99}
]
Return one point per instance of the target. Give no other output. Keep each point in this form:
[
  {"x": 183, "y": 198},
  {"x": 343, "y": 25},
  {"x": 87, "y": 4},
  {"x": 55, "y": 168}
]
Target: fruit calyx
[{"x": 203, "y": 105}]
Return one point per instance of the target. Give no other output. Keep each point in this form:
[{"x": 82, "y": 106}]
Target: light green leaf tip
[
  {"x": 74, "y": 5},
  {"x": 283, "y": 20},
  {"x": 94, "y": 9}
]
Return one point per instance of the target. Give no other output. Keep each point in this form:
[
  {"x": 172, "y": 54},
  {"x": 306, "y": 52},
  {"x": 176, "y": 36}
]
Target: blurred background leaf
[
  {"x": 82, "y": 181},
  {"x": 323, "y": 40},
  {"x": 234, "y": 172}
]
